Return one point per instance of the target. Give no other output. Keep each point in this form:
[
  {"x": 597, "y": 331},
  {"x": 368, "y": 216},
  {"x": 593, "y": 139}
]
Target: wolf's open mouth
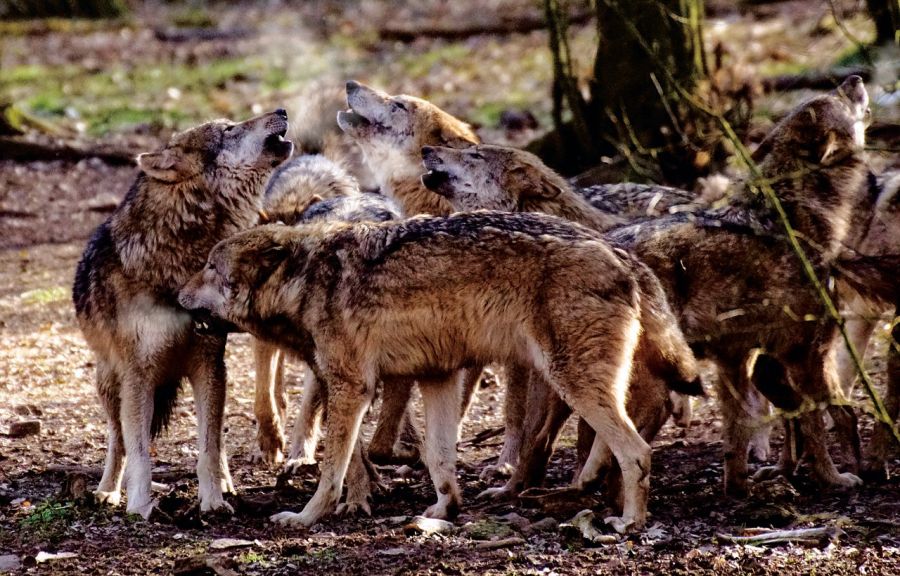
[
  {"x": 352, "y": 119},
  {"x": 276, "y": 144},
  {"x": 435, "y": 180}
]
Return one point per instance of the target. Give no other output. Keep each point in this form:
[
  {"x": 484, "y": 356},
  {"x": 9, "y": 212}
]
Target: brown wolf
[
  {"x": 509, "y": 179},
  {"x": 434, "y": 295},
  {"x": 875, "y": 239},
  {"x": 391, "y": 131},
  {"x": 725, "y": 299},
  {"x": 202, "y": 186}
]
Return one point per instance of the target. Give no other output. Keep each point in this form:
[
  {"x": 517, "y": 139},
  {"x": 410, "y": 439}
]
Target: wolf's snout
[
  {"x": 352, "y": 86},
  {"x": 281, "y": 112}
]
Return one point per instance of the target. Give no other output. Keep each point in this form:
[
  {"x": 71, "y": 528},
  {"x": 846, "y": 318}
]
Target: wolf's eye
[
  {"x": 476, "y": 156},
  {"x": 229, "y": 129},
  {"x": 399, "y": 105}
]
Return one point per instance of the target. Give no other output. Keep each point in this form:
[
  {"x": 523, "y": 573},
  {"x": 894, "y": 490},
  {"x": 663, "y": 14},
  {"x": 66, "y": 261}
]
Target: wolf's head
[
  {"x": 391, "y": 130},
  {"x": 243, "y": 279},
  {"x": 221, "y": 153},
  {"x": 488, "y": 177},
  {"x": 822, "y": 131},
  {"x": 300, "y": 183}
]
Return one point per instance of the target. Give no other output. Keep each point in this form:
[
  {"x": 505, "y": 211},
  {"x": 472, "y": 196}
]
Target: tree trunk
[
  {"x": 886, "y": 14},
  {"x": 646, "y": 48}
]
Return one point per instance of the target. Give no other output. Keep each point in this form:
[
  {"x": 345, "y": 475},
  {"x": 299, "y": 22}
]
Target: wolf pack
[{"x": 388, "y": 249}]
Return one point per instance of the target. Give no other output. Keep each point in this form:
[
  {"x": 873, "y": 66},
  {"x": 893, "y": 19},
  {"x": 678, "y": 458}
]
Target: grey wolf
[
  {"x": 725, "y": 299},
  {"x": 391, "y": 130},
  {"x": 204, "y": 185},
  {"x": 430, "y": 296},
  {"x": 508, "y": 179}
]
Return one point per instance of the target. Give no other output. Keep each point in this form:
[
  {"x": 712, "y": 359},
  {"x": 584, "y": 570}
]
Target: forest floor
[{"x": 124, "y": 84}]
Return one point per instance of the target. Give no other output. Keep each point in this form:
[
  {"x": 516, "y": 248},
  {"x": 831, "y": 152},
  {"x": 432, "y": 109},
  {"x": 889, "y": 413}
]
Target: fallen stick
[{"x": 763, "y": 537}]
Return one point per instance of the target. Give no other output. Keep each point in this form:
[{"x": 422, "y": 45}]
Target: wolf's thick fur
[
  {"x": 203, "y": 186},
  {"x": 503, "y": 178},
  {"x": 872, "y": 258},
  {"x": 434, "y": 295},
  {"x": 738, "y": 291},
  {"x": 391, "y": 131}
]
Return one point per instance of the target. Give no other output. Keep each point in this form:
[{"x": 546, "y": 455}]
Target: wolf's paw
[
  {"x": 301, "y": 465},
  {"x": 620, "y": 524},
  {"x": 845, "y": 481},
  {"x": 110, "y": 498},
  {"x": 293, "y": 519},
  {"x": 216, "y": 505},
  {"x": 143, "y": 510},
  {"x": 498, "y": 470}
]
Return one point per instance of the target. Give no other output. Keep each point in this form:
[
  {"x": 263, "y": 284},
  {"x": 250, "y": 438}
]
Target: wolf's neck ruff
[{"x": 180, "y": 223}]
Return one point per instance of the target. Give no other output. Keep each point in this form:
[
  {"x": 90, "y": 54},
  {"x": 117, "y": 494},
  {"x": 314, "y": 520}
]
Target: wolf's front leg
[
  {"x": 348, "y": 396},
  {"x": 136, "y": 413},
  {"x": 207, "y": 376},
  {"x": 441, "y": 403}
]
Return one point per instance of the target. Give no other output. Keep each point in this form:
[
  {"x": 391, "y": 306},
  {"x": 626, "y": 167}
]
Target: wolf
[
  {"x": 292, "y": 190},
  {"x": 725, "y": 300},
  {"x": 513, "y": 180},
  {"x": 314, "y": 130},
  {"x": 432, "y": 295},
  {"x": 294, "y": 197},
  {"x": 875, "y": 241},
  {"x": 205, "y": 184},
  {"x": 391, "y": 130}
]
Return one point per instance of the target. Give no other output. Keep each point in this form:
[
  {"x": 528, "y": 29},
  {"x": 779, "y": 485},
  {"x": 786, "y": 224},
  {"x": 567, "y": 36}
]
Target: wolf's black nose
[
  {"x": 352, "y": 86},
  {"x": 281, "y": 112},
  {"x": 427, "y": 150}
]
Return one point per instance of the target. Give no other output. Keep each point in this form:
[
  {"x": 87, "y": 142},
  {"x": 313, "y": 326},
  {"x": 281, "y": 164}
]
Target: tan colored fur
[{"x": 430, "y": 296}]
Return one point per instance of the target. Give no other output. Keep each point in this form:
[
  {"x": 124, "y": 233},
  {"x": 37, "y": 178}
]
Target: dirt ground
[{"x": 47, "y": 210}]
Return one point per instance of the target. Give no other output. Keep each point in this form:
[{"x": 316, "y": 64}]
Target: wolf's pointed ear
[
  {"x": 458, "y": 136},
  {"x": 165, "y": 166},
  {"x": 534, "y": 183}
]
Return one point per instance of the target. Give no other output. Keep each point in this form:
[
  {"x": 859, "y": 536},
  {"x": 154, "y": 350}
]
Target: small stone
[
  {"x": 422, "y": 525},
  {"x": 10, "y": 563},
  {"x": 24, "y": 428},
  {"x": 543, "y": 525},
  {"x": 226, "y": 543},
  {"x": 518, "y": 522},
  {"x": 393, "y": 552}
]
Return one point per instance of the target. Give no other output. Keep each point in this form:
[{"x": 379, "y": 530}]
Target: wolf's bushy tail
[{"x": 667, "y": 352}]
